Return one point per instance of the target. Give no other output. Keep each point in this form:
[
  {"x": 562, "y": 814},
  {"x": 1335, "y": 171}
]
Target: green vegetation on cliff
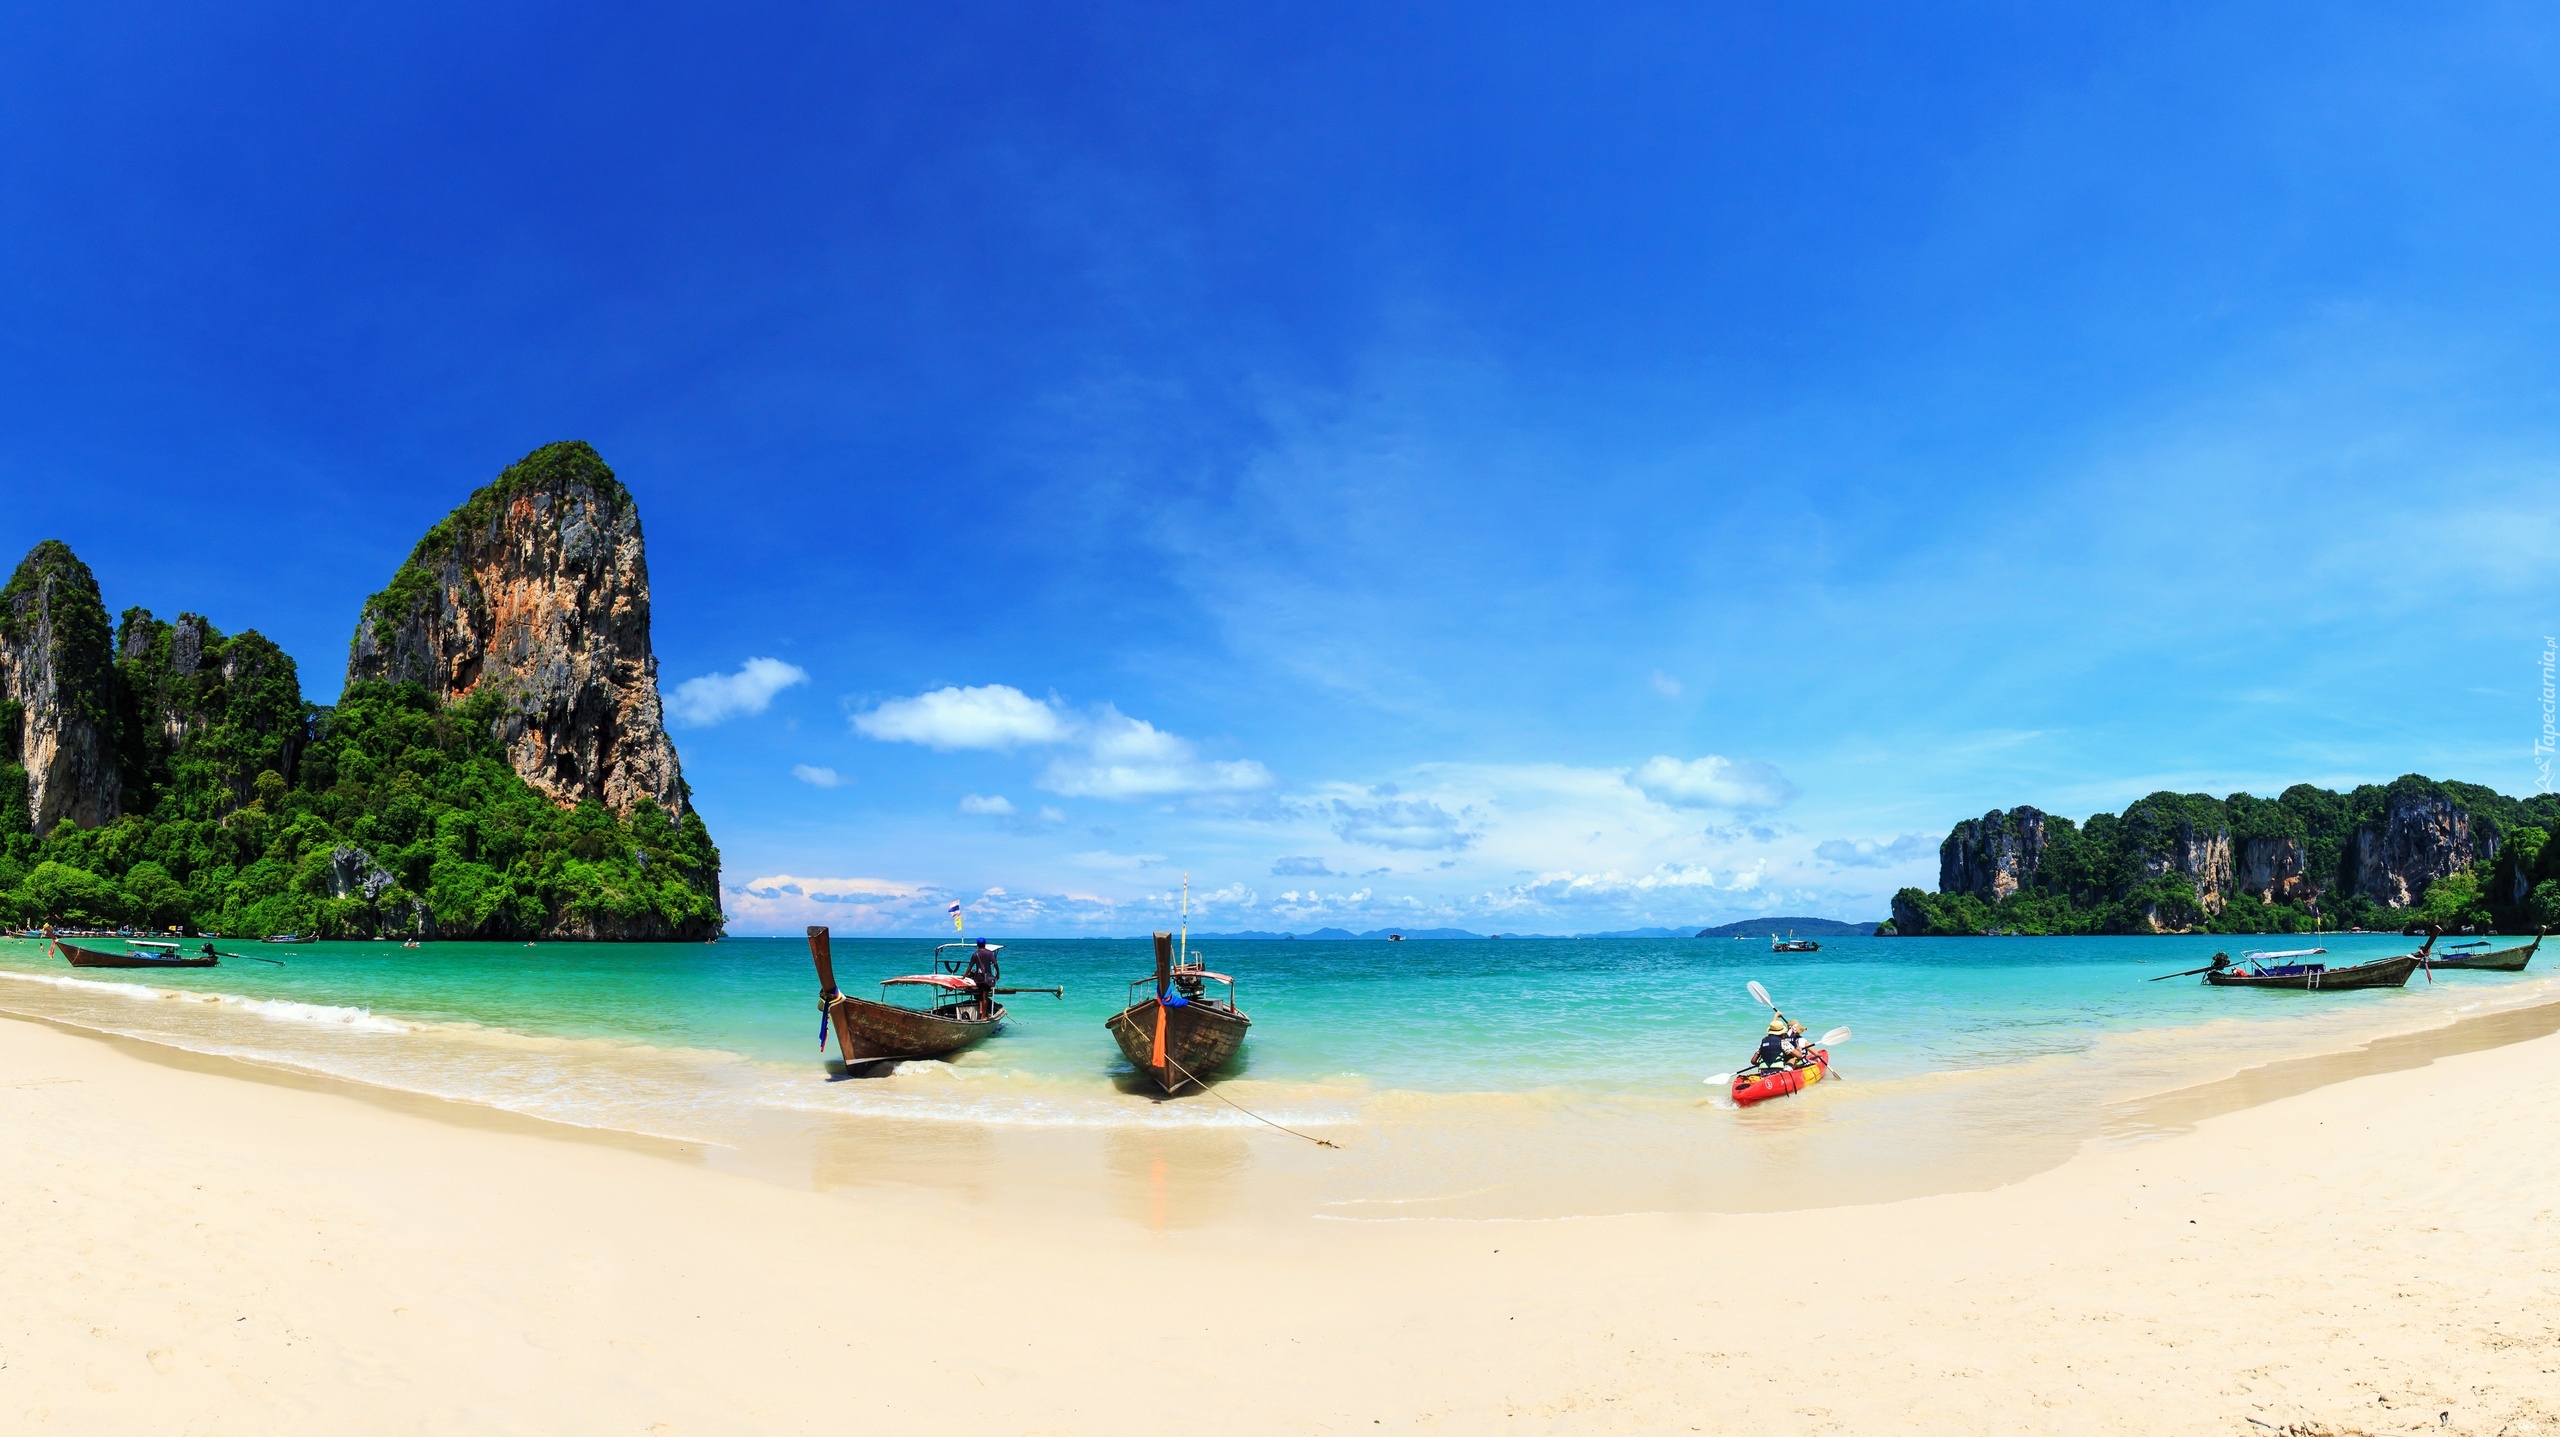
[
  {"x": 2415, "y": 850},
  {"x": 248, "y": 812}
]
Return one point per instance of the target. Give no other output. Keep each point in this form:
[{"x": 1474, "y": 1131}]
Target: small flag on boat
[{"x": 955, "y": 917}]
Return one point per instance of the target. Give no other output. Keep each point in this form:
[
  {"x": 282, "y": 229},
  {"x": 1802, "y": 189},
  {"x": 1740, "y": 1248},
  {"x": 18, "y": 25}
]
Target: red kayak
[{"x": 1761, "y": 1085}]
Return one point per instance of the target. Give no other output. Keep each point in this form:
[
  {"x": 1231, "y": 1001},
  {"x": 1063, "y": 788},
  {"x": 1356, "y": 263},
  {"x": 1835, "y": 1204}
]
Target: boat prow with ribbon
[{"x": 1180, "y": 1033}]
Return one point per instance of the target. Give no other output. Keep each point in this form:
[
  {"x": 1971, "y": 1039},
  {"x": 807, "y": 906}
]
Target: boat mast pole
[{"x": 1186, "y": 920}]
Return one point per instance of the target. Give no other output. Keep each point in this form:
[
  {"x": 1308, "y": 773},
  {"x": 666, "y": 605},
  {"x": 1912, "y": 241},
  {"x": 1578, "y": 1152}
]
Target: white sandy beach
[{"x": 200, "y": 1252}]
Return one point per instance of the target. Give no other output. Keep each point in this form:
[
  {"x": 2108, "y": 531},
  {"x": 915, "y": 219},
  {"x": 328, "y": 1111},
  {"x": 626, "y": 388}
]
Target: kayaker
[
  {"x": 1798, "y": 1049},
  {"x": 1773, "y": 1046}
]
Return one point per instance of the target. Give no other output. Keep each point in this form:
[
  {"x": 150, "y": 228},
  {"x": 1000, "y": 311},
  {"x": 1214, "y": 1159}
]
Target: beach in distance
[{"x": 272, "y": 1213}]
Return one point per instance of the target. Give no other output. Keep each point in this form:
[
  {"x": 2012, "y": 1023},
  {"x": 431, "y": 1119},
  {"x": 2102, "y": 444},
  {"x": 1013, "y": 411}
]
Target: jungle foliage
[
  {"x": 2106, "y": 875},
  {"x": 251, "y": 812}
]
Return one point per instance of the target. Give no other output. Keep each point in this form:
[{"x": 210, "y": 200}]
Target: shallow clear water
[{"x": 1451, "y": 1061}]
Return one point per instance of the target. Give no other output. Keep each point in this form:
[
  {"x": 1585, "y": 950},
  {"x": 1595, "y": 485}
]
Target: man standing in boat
[{"x": 982, "y": 972}]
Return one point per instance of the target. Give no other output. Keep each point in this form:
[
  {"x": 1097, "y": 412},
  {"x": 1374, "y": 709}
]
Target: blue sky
[{"x": 1541, "y": 471}]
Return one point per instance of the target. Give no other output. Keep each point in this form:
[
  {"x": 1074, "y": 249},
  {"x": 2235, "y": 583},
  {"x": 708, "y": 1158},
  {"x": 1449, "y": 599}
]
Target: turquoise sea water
[{"x": 1590, "y": 1052}]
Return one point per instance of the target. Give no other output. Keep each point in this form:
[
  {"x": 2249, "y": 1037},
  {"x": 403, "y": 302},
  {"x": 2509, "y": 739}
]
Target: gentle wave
[{"x": 280, "y": 1010}]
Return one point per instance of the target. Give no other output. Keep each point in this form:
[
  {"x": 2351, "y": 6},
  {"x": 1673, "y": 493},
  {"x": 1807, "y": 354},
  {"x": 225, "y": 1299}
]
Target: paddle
[{"x": 2220, "y": 961}]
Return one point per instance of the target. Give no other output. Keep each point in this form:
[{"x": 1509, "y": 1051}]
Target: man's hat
[{"x": 1777, "y": 1025}]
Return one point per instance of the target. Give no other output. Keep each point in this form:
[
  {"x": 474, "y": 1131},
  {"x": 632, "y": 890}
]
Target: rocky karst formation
[
  {"x": 2421, "y": 838},
  {"x": 2198, "y": 853},
  {"x": 1992, "y": 856},
  {"x": 2173, "y": 861},
  {"x": 537, "y": 590},
  {"x": 57, "y": 696},
  {"x": 183, "y": 683},
  {"x": 2271, "y": 871}
]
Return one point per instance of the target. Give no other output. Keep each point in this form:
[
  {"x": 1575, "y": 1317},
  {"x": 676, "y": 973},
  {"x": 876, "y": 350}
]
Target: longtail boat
[
  {"x": 870, "y": 1030},
  {"x": 1178, "y": 1035},
  {"x": 142, "y": 955},
  {"x": 2270, "y": 970},
  {"x": 2503, "y": 960}
]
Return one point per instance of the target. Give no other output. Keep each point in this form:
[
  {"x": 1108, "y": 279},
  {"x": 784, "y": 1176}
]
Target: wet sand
[{"x": 199, "y": 1253}]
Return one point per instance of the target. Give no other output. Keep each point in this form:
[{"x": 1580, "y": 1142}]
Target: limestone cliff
[
  {"x": 57, "y": 699},
  {"x": 2198, "y": 852},
  {"x": 2270, "y": 870},
  {"x": 537, "y": 590},
  {"x": 1993, "y": 856},
  {"x": 181, "y": 685},
  {"x": 2420, "y": 838}
]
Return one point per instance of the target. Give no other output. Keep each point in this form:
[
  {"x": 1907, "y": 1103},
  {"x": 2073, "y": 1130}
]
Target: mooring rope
[{"x": 1241, "y": 1108}]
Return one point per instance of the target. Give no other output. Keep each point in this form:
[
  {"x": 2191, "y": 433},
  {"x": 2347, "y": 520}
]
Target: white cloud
[
  {"x": 1411, "y": 823},
  {"x": 715, "y": 698},
  {"x": 1304, "y": 865},
  {"x": 816, "y": 777},
  {"x": 1712, "y": 782},
  {"x": 1131, "y": 758},
  {"x": 994, "y": 805},
  {"x": 1121, "y": 757},
  {"x": 1665, "y": 685},
  {"x": 995, "y": 716},
  {"x": 1861, "y": 853}
]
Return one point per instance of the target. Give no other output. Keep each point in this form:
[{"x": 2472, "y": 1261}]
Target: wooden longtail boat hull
[
  {"x": 92, "y": 958},
  {"x": 868, "y": 1031},
  {"x": 1760, "y": 1087},
  {"x": 2385, "y": 973},
  {"x": 1200, "y": 1038},
  {"x": 2504, "y": 960}
]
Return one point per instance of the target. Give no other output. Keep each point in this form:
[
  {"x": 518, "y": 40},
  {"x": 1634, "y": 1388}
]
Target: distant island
[
  {"x": 2413, "y": 851},
  {"x": 495, "y": 768},
  {"x": 1799, "y": 927}
]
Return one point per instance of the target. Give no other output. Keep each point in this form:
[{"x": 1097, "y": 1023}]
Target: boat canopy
[
  {"x": 145, "y": 943},
  {"x": 992, "y": 947},
  {"x": 2288, "y": 953},
  {"x": 932, "y": 980},
  {"x": 1196, "y": 971}
]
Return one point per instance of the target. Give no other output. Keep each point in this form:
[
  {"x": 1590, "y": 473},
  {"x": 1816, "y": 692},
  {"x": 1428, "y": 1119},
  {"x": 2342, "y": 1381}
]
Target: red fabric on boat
[{"x": 938, "y": 980}]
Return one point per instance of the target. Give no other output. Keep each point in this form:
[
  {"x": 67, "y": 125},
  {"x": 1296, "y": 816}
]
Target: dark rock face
[
  {"x": 57, "y": 691},
  {"x": 2270, "y": 870},
  {"x": 537, "y": 589},
  {"x": 1990, "y": 857},
  {"x": 1908, "y": 920},
  {"x": 2421, "y": 839}
]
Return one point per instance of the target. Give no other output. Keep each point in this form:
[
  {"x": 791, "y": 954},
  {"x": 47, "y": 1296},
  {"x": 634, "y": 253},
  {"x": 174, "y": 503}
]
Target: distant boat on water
[{"x": 1793, "y": 945}]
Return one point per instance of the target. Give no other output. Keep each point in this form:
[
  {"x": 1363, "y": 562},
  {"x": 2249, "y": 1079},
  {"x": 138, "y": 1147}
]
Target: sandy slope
[{"x": 196, "y": 1253}]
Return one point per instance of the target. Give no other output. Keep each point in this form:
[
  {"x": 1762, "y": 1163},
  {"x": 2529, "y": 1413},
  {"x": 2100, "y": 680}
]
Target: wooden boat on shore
[
  {"x": 870, "y": 1030},
  {"x": 141, "y": 955},
  {"x": 2502, "y": 960},
  {"x": 1178, "y": 1035},
  {"x": 2268, "y": 970}
]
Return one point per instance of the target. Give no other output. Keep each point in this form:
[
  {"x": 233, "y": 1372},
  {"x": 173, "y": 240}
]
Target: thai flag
[{"x": 955, "y": 917}]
